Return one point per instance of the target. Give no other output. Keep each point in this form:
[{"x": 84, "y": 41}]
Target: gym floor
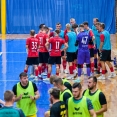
[{"x": 12, "y": 61}]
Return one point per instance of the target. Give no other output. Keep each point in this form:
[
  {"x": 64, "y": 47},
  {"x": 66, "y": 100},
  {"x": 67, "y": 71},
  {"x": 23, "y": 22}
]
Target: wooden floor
[{"x": 109, "y": 87}]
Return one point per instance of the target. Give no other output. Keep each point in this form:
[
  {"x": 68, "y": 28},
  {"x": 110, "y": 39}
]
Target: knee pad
[{"x": 88, "y": 65}]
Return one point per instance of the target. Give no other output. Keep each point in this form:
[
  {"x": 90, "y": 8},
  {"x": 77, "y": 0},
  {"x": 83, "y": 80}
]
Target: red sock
[
  {"x": 64, "y": 64},
  {"x": 36, "y": 72},
  {"x": 48, "y": 75},
  {"x": 74, "y": 67},
  {"x": 39, "y": 68},
  {"x": 25, "y": 71},
  {"x": 111, "y": 69},
  {"x": 103, "y": 72},
  {"x": 71, "y": 69},
  {"x": 92, "y": 67},
  {"x": 82, "y": 66},
  {"x": 57, "y": 74}
]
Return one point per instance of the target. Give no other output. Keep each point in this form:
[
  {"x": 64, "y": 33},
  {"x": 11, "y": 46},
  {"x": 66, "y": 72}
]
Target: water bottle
[{"x": 114, "y": 61}]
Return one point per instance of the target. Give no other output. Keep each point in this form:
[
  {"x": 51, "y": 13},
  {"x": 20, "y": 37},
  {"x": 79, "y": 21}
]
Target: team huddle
[{"x": 77, "y": 45}]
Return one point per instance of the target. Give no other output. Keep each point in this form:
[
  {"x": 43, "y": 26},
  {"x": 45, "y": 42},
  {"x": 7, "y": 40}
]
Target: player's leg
[
  {"x": 40, "y": 63},
  {"x": 58, "y": 62},
  {"x": 51, "y": 61},
  {"x": 87, "y": 61},
  {"x": 28, "y": 62},
  {"x": 35, "y": 63},
  {"x": 103, "y": 58},
  {"x": 70, "y": 61},
  {"x": 92, "y": 60},
  {"x": 108, "y": 62},
  {"x": 95, "y": 58}
]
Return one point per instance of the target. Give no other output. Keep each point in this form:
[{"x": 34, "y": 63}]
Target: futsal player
[
  {"x": 96, "y": 96},
  {"x": 83, "y": 56},
  {"x": 70, "y": 38},
  {"x": 58, "y": 108},
  {"x": 91, "y": 46},
  {"x": 63, "y": 53},
  {"x": 43, "y": 52},
  {"x": 96, "y": 34},
  {"x": 105, "y": 51},
  {"x": 32, "y": 45},
  {"x": 78, "y": 105},
  {"x": 55, "y": 52}
]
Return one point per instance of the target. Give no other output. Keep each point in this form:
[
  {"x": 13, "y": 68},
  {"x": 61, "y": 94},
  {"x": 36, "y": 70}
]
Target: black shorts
[
  {"x": 98, "y": 52},
  {"x": 91, "y": 52},
  {"x": 54, "y": 60},
  {"x": 105, "y": 55},
  {"x": 32, "y": 61},
  {"x": 43, "y": 57},
  {"x": 76, "y": 54},
  {"x": 71, "y": 56},
  {"x": 62, "y": 53}
]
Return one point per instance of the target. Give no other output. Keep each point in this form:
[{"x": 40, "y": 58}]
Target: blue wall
[{"x": 23, "y": 15}]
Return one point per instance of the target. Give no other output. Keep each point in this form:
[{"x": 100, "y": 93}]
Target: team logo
[
  {"x": 77, "y": 109},
  {"x": 26, "y": 93}
]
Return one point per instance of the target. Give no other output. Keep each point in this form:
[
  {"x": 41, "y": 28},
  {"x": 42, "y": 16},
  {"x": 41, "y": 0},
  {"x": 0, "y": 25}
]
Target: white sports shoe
[
  {"x": 102, "y": 77},
  {"x": 65, "y": 71},
  {"x": 75, "y": 71},
  {"x": 70, "y": 77},
  {"x": 112, "y": 75},
  {"x": 44, "y": 74}
]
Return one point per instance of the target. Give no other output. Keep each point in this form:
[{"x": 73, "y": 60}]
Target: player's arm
[
  {"x": 47, "y": 45},
  {"x": 103, "y": 102},
  {"x": 27, "y": 43},
  {"x": 90, "y": 108},
  {"x": 37, "y": 95},
  {"x": 65, "y": 46},
  {"x": 102, "y": 41}
]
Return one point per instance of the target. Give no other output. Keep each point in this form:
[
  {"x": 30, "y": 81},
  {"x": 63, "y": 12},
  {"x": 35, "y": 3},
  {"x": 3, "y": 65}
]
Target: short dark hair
[
  {"x": 23, "y": 74},
  {"x": 55, "y": 92},
  {"x": 86, "y": 23},
  {"x": 52, "y": 78},
  {"x": 81, "y": 25},
  {"x": 74, "y": 26},
  {"x": 94, "y": 78},
  {"x": 57, "y": 31},
  {"x": 58, "y": 23},
  {"x": 97, "y": 20},
  {"x": 45, "y": 28},
  {"x": 77, "y": 85},
  {"x": 41, "y": 26},
  {"x": 102, "y": 25},
  {"x": 8, "y": 96},
  {"x": 58, "y": 81},
  {"x": 32, "y": 32},
  {"x": 97, "y": 23}
]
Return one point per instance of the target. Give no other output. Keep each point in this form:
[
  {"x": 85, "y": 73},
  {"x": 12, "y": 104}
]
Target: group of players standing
[{"x": 76, "y": 45}]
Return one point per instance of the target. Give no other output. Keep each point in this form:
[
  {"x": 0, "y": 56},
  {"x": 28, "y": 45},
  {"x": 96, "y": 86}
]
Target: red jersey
[
  {"x": 33, "y": 44},
  {"x": 91, "y": 44},
  {"x": 42, "y": 41},
  {"x": 56, "y": 43}
]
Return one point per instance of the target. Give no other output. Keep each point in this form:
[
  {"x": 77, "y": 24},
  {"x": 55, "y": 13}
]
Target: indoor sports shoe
[
  {"x": 102, "y": 77},
  {"x": 31, "y": 76},
  {"x": 65, "y": 71},
  {"x": 44, "y": 74},
  {"x": 46, "y": 79},
  {"x": 112, "y": 75},
  {"x": 70, "y": 77}
]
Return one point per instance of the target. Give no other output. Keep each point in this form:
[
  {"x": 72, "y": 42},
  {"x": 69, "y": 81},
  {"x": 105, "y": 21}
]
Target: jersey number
[
  {"x": 84, "y": 40},
  {"x": 41, "y": 40},
  {"x": 34, "y": 45},
  {"x": 57, "y": 45}
]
